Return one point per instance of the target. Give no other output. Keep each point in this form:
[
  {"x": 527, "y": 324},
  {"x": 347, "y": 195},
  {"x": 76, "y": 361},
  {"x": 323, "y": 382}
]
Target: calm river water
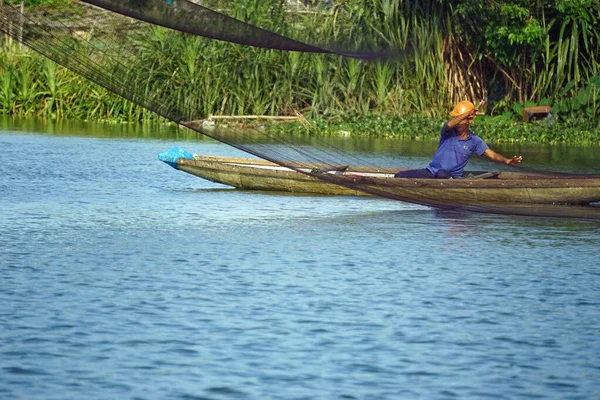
[{"x": 122, "y": 278}]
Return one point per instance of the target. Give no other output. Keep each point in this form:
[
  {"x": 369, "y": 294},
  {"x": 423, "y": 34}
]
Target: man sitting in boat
[{"x": 457, "y": 143}]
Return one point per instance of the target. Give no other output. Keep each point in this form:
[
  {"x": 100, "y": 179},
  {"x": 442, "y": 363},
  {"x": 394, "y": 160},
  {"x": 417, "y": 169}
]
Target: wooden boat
[{"x": 516, "y": 188}]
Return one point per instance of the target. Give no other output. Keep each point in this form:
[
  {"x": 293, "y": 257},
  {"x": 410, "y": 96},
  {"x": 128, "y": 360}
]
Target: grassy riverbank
[
  {"x": 498, "y": 129},
  {"x": 33, "y": 87},
  {"x": 408, "y": 96}
]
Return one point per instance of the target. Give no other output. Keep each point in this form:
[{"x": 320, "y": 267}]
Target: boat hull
[
  {"x": 249, "y": 174},
  {"x": 505, "y": 187}
]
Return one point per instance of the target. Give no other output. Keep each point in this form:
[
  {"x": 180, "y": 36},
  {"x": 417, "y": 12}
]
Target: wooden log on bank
[
  {"x": 268, "y": 117},
  {"x": 536, "y": 112},
  {"x": 212, "y": 119}
]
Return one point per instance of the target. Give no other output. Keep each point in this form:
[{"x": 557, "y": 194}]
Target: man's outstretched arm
[{"x": 501, "y": 159}]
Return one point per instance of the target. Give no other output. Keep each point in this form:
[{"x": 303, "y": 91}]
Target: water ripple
[{"x": 145, "y": 283}]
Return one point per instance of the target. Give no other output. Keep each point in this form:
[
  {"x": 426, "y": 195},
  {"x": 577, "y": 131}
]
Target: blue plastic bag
[{"x": 172, "y": 155}]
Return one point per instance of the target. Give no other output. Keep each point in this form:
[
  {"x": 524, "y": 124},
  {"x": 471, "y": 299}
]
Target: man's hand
[
  {"x": 499, "y": 158},
  {"x": 514, "y": 160}
]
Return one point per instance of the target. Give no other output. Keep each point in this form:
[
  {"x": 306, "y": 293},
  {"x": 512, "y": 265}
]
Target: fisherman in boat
[{"x": 457, "y": 143}]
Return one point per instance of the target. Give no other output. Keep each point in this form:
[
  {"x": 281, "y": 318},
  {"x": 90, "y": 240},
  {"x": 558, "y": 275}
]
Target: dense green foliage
[
  {"x": 538, "y": 47},
  {"x": 513, "y": 52},
  {"x": 32, "y": 86},
  {"x": 498, "y": 129}
]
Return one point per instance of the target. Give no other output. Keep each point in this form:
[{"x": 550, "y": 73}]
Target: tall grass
[{"x": 431, "y": 71}]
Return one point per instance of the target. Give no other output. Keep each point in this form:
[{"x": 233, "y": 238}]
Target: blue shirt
[{"x": 453, "y": 153}]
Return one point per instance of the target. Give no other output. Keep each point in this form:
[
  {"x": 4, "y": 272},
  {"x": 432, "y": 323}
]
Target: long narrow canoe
[{"x": 503, "y": 187}]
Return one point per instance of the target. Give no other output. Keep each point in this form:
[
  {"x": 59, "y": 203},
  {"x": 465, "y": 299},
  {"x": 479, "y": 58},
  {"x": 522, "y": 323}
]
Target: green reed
[{"x": 217, "y": 78}]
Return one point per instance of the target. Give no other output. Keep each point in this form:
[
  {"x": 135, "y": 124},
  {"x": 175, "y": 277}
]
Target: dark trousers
[{"x": 423, "y": 174}]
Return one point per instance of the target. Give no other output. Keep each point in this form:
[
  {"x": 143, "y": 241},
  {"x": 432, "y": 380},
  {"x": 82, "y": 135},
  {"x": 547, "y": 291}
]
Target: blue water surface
[{"x": 122, "y": 278}]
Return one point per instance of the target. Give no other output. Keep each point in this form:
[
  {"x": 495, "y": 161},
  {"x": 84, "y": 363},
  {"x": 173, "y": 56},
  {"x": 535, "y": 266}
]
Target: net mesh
[
  {"x": 111, "y": 54},
  {"x": 185, "y": 16}
]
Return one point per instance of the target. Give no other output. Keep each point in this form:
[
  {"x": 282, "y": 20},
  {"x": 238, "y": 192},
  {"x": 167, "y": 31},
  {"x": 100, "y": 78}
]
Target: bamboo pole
[
  {"x": 6, "y": 34},
  {"x": 9, "y": 31},
  {"x": 21, "y": 23}
]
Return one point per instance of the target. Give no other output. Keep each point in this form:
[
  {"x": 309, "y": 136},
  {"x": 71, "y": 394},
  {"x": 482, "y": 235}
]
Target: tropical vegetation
[{"x": 514, "y": 53}]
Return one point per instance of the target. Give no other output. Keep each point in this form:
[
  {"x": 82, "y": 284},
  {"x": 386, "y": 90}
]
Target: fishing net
[
  {"x": 111, "y": 49},
  {"x": 189, "y": 17}
]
